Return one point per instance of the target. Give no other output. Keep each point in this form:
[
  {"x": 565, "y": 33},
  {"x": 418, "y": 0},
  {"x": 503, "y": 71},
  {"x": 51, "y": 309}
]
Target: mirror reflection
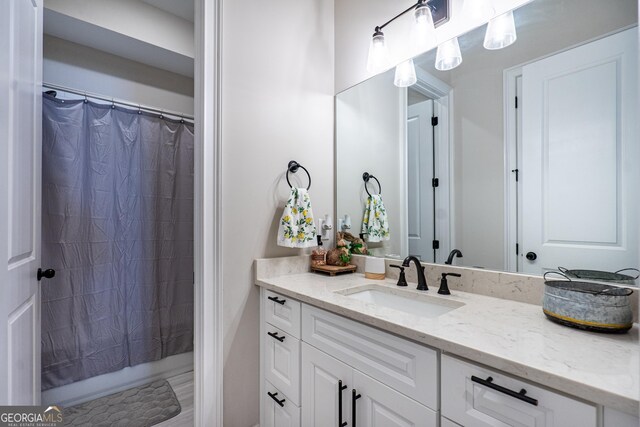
[{"x": 521, "y": 159}]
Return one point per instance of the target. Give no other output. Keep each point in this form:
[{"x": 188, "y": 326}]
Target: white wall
[
  {"x": 355, "y": 21},
  {"x": 133, "y": 18},
  {"x": 370, "y": 134},
  {"x": 277, "y": 105},
  {"x": 79, "y": 67}
]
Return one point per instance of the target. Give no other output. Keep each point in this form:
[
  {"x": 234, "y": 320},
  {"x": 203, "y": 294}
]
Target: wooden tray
[{"x": 332, "y": 270}]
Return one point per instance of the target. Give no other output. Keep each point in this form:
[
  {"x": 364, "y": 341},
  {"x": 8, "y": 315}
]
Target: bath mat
[{"x": 142, "y": 406}]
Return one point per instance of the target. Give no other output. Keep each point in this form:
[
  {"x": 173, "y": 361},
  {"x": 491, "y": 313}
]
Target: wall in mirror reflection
[{"x": 572, "y": 140}]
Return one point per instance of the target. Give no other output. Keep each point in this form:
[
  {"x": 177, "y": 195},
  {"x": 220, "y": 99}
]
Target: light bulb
[
  {"x": 477, "y": 10},
  {"x": 448, "y": 55},
  {"x": 405, "y": 74},
  {"x": 378, "y": 59},
  {"x": 501, "y": 32},
  {"x": 423, "y": 32}
]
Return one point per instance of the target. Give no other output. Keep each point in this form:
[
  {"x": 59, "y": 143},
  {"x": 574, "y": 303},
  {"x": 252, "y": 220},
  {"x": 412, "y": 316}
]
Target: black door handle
[
  {"x": 278, "y": 401},
  {"x": 531, "y": 256},
  {"x": 276, "y": 336},
  {"x": 521, "y": 395},
  {"x": 354, "y": 396},
  {"x": 340, "y": 389},
  {"x": 49, "y": 273},
  {"x": 276, "y": 299}
]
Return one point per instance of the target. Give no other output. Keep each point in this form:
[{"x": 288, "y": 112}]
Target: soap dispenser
[
  {"x": 319, "y": 255},
  {"x": 444, "y": 287}
]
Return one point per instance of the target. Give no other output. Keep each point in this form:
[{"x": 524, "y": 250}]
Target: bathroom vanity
[{"x": 342, "y": 351}]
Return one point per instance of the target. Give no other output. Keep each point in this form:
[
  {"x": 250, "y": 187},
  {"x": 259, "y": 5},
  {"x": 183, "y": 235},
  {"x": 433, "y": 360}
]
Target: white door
[
  {"x": 20, "y": 166},
  {"x": 325, "y": 383},
  {"x": 580, "y": 169},
  {"x": 419, "y": 174},
  {"x": 380, "y": 406}
]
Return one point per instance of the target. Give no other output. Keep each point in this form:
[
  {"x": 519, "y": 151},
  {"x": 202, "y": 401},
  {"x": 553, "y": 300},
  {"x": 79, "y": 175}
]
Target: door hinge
[
  {"x": 435, "y": 182},
  {"x": 517, "y": 249},
  {"x": 517, "y": 172},
  {"x": 516, "y": 102},
  {"x": 434, "y": 121},
  {"x": 436, "y": 244}
]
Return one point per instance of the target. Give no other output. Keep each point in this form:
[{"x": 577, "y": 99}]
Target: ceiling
[{"x": 182, "y": 8}]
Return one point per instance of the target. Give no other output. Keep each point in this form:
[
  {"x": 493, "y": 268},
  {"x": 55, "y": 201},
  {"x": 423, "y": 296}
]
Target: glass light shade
[
  {"x": 405, "y": 74},
  {"x": 501, "y": 32},
  {"x": 478, "y": 10},
  {"x": 378, "y": 59},
  {"x": 423, "y": 32},
  {"x": 448, "y": 55}
]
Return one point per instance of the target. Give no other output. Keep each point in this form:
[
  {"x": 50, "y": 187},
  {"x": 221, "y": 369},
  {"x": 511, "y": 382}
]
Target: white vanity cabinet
[
  {"x": 478, "y": 396},
  {"x": 320, "y": 369},
  {"x": 332, "y": 390}
]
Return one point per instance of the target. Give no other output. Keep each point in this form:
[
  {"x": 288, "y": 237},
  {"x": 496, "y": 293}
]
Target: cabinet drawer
[
  {"x": 279, "y": 411},
  {"x": 469, "y": 401},
  {"x": 282, "y": 312},
  {"x": 282, "y": 361},
  {"x": 408, "y": 367}
]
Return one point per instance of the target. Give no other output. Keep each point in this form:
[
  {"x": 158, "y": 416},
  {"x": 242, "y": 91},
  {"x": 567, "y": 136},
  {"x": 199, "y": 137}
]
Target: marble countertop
[{"x": 510, "y": 336}]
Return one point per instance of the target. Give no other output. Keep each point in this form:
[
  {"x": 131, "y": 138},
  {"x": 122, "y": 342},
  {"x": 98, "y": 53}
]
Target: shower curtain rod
[{"x": 119, "y": 102}]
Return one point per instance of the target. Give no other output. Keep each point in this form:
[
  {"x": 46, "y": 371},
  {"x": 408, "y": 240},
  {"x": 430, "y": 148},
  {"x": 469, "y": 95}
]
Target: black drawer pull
[
  {"x": 276, "y": 336},
  {"x": 354, "y": 396},
  {"x": 278, "y": 300},
  {"x": 518, "y": 395},
  {"x": 340, "y": 389},
  {"x": 273, "y": 396}
]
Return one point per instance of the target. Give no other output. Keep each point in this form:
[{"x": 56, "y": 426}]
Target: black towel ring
[
  {"x": 366, "y": 177},
  {"x": 293, "y": 168}
]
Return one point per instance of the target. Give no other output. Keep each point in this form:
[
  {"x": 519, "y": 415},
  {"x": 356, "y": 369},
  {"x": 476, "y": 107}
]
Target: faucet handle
[
  {"x": 402, "y": 280},
  {"x": 444, "y": 286}
]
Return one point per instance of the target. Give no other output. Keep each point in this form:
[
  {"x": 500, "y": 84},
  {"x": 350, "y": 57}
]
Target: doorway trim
[
  {"x": 442, "y": 96},
  {"x": 208, "y": 344},
  {"x": 512, "y": 158}
]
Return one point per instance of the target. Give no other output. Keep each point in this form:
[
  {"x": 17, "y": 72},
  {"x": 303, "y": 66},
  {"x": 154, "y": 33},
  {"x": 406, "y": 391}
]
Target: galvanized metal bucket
[
  {"x": 587, "y": 305},
  {"x": 604, "y": 276}
]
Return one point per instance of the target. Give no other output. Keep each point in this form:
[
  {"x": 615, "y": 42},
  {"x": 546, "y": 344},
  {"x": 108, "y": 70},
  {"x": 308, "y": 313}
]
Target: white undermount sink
[{"x": 401, "y": 300}]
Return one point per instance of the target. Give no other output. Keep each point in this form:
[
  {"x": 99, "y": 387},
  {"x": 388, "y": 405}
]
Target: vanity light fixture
[
  {"x": 426, "y": 15},
  {"x": 448, "y": 55},
  {"x": 423, "y": 31},
  {"x": 405, "y": 74},
  {"x": 501, "y": 32},
  {"x": 378, "y": 59}
]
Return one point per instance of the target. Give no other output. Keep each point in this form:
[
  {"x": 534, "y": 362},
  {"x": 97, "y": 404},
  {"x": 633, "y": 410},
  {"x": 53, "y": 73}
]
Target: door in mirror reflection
[
  {"x": 420, "y": 173},
  {"x": 579, "y": 175}
]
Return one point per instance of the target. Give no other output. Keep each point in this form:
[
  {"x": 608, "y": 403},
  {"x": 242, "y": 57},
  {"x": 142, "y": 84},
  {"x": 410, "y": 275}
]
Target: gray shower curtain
[{"x": 117, "y": 226}]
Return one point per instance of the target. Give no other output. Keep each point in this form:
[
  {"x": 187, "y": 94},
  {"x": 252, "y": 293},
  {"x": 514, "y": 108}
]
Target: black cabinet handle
[
  {"x": 273, "y": 396},
  {"x": 276, "y": 336},
  {"x": 340, "y": 389},
  {"x": 354, "y": 396},
  {"x": 518, "y": 395},
  {"x": 277, "y": 300}
]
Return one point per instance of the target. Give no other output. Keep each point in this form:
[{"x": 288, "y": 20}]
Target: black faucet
[
  {"x": 456, "y": 253},
  {"x": 422, "y": 282}
]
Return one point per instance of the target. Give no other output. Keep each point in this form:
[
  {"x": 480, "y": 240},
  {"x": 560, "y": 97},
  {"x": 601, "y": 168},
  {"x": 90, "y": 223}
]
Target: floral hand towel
[
  {"x": 374, "y": 223},
  {"x": 297, "y": 228}
]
